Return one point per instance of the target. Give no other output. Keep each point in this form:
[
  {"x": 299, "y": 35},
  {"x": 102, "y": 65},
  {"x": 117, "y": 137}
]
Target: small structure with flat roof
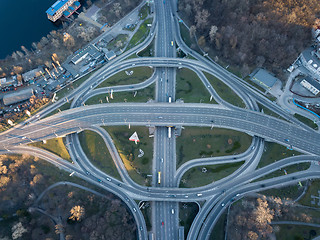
[
  {"x": 62, "y": 8},
  {"x": 18, "y": 96},
  {"x": 311, "y": 85},
  {"x": 310, "y": 59},
  {"x": 90, "y": 50},
  {"x": 32, "y": 74},
  {"x": 263, "y": 78},
  {"x": 109, "y": 54}
]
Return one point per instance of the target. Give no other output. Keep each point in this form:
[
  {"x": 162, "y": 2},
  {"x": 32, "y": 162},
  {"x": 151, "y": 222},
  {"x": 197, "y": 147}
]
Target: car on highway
[
  {"x": 99, "y": 180},
  {"x": 199, "y": 194},
  {"x": 172, "y": 43},
  {"x": 134, "y": 209},
  {"x": 162, "y": 223},
  {"x": 172, "y": 211},
  {"x": 141, "y": 228},
  {"x": 108, "y": 179},
  {"x": 222, "y": 204},
  {"x": 162, "y": 160}
]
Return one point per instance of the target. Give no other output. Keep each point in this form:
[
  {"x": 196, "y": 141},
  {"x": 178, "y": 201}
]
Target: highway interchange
[{"x": 160, "y": 114}]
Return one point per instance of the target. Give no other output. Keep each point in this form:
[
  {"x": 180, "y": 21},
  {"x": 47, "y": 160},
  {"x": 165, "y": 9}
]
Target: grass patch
[
  {"x": 196, "y": 142},
  {"x": 225, "y": 92},
  {"x": 187, "y": 212},
  {"x": 269, "y": 112},
  {"x": 142, "y": 95},
  {"x": 139, "y": 74},
  {"x": 194, "y": 177},
  {"x": 148, "y": 51},
  {"x": 306, "y": 121},
  {"x": 138, "y": 168},
  {"x": 185, "y": 35},
  {"x": 67, "y": 89},
  {"x": 274, "y": 152},
  {"x": 292, "y": 192},
  {"x": 296, "y": 232},
  {"x": 56, "y": 146},
  {"x": 123, "y": 38},
  {"x": 140, "y": 34},
  {"x": 97, "y": 152},
  {"x": 144, "y": 11},
  {"x": 313, "y": 189},
  {"x": 63, "y": 107},
  {"x": 289, "y": 169},
  {"x": 190, "y": 88},
  {"x": 219, "y": 228},
  {"x": 146, "y": 211}
]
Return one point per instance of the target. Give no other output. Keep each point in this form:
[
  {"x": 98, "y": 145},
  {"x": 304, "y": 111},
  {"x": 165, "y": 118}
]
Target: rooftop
[
  {"x": 18, "y": 96},
  {"x": 56, "y": 6},
  {"x": 263, "y": 77}
]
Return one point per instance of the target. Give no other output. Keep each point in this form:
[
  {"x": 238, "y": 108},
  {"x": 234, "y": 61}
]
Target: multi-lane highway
[{"x": 165, "y": 194}]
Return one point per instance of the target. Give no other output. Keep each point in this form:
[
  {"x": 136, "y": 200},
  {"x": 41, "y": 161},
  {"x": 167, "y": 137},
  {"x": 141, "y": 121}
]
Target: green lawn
[
  {"x": 148, "y": 51},
  {"x": 187, "y": 213},
  {"x": 225, "y": 92},
  {"x": 65, "y": 106},
  {"x": 274, "y": 152},
  {"x": 61, "y": 93},
  {"x": 296, "y": 232},
  {"x": 313, "y": 189},
  {"x": 139, "y": 74},
  {"x": 144, "y": 12},
  {"x": 196, "y": 142},
  {"x": 269, "y": 112},
  {"x": 185, "y": 35},
  {"x": 190, "y": 88},
  {"x": 219, "y": 228},
  {"x": 97, "y": 152},
  {"x": 138, "y": 168},
  {"x": 292, "y": 191},
  {"x": 306, "y": 121},
  {"x": 289, "y": 169},
  {"x": 142, "y": 95},
  {"x": 121, "y": 37},
  {"x": 140, "y": 34},
  {"x": 56, "y": 146},
  {"x": 194, "y": 177}
]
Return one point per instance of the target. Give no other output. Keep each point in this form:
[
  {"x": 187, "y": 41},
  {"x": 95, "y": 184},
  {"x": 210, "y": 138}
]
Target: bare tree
[
  {"x": 192, "y": 31},
  {"x": 77, "y": 213},
  {"x": 212, "y": 33}
]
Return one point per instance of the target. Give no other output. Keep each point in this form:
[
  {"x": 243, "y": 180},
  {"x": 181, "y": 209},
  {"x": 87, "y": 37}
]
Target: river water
[{"x": 23, "y": 22}]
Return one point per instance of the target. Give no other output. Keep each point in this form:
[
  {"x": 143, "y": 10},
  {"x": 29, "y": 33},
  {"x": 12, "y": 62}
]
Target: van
[
  {"x": 172, "y": 211},
  {"x": 199, "y": 194}
]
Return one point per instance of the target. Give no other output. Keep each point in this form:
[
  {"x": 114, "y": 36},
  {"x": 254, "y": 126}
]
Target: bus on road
[{"x": 159, "y": 177}]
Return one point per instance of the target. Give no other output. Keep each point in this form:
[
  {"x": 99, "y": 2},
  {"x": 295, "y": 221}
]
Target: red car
[{"x": 162, "y": 223}]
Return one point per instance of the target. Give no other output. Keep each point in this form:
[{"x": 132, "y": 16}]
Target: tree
[
  {"x": 77, "y": 213},
  {"x": 192, "y": 31},
  {"x": 59, "y": 228},
  {"x": 201, "y": 18},
  {"x": 212, "y": 32},
  {"x": 18, "y": 230}
]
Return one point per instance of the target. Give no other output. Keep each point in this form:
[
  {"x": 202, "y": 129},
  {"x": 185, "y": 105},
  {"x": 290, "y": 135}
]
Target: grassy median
[
  {"x": 142, "y": 95},
  {"x": 139, "y": 74},
  {"x": 225, "y": 92},
  {"x": 97, "y": 152},
  {"x": 137, "y": 166},
  {"x": 190, "y": 88},
  {"x": 197, "y": 142},
  {"x": 203, "y": 175},
  {"x": 56, "y": 146}
]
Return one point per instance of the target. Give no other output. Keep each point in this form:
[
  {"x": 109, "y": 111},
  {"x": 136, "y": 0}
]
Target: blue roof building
[{"x": 59, "y": 7}]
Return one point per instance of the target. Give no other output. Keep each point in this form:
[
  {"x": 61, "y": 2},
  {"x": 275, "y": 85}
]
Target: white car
[{"x": 222, "y": 204}]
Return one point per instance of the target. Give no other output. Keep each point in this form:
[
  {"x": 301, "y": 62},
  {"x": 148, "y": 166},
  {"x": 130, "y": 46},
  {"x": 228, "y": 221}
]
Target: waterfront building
[{"x": 62, "y": 8}]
